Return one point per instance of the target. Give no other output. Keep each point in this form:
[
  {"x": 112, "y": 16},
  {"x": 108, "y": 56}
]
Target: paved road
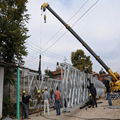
[{"x": 102, "y": 112}]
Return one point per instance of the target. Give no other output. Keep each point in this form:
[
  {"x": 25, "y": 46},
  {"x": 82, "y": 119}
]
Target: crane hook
[{"x": 44, "y": 18}]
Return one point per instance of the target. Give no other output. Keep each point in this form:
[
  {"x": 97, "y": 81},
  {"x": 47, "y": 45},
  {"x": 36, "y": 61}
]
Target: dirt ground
[{"x": 102, "y": 112}]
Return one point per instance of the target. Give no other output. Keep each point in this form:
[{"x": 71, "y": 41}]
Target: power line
[
  {"x": 78, "y": 10},
  {"x": 54, "y": 42},
  {"x": 40, "y": 48},
  {"x": 72, "y": 25},
  {"x": 35, "y": 56},
  {"x": 33, "y": 48},
  {"x": 43, "y": 54},
  {"x": 56, "y": 55},
  {"x": 67, "y": 21},
  {"x": 85, "y": 12}
]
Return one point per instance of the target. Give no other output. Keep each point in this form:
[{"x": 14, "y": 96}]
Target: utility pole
[{"x": 39, "y": 71}]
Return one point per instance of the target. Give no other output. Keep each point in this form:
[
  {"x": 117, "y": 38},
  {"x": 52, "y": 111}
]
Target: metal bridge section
[
  {"x": 29, "y": 81},
  {"x": 73, "y": 85}
]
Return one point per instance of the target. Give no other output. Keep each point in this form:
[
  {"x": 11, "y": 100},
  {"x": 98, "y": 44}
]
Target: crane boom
[{"x": 46, "y": 5}]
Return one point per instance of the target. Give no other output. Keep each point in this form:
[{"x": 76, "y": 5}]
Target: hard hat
[
  {"x": 38, "y": 91},
  {"x": 90, "y": 94},
  {"x": 45, "y": 88},
  {"x": 24, "y": 91}
]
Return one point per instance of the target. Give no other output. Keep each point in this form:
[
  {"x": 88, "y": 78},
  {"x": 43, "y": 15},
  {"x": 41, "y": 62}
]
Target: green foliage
[
  {"x": 81, "y": 61},
  {"x": 10, "y": 75},
  {"x": 13, "y": 31},
  {"x": 49, "y": 73},
  {"x": 9, "y": 107},
  {"x": 13, "y": 35}
]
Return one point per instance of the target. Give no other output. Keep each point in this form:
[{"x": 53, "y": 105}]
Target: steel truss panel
[{"x": 73, "y": 85}]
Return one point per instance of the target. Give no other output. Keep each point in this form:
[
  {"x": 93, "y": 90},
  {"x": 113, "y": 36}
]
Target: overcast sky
[{"x": 99, "y": 28}]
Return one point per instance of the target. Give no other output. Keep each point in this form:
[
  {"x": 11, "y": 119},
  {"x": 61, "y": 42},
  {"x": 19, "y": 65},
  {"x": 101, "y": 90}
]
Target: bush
[{"x": 9, "y": 108}]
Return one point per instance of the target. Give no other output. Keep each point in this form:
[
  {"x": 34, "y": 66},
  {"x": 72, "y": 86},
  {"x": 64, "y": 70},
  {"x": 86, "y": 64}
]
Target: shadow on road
[
  {"x": 49, "y": 118},
  {"x": 101, "y": 119},
  {"x": 90, "y": 118}
]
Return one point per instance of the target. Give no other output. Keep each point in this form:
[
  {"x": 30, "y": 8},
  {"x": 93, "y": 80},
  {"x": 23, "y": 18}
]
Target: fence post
[
  {"x": 1, "y": 89},
  {"x": 18, "y": 93}
]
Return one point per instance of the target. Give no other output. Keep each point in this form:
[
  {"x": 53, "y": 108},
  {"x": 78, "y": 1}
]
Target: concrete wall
[{"x": 1, "y": 88}]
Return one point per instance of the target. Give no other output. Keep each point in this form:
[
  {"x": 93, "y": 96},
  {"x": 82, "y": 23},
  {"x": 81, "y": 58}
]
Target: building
[{"x": 58, "y": 73}]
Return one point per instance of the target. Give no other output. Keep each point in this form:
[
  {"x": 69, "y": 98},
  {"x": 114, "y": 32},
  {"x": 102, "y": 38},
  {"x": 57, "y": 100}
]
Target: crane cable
[
  {"x": 43, "y": 52},
  {"x": 72, "y": 25},
  {"x": 85, "y": 12},
  {"x": 40, "y": 49},
  {"x": 67, "y": 21}
]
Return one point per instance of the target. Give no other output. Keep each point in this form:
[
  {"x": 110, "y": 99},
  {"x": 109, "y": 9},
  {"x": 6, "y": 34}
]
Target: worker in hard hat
[
  {"x": 25, "y": 105},
  {"x": 46, "y": 98},
  {"x": 39, "y": 101},
  {"x": 92, "y": 94}
]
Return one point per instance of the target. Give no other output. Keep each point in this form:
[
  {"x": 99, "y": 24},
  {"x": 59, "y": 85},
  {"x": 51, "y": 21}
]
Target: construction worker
[
  {"x": 25, "y": 105},
  {"x": 108, "y": 90},
  {"x": 52, "y": 97},
  {"x": 39, "y": 100},
  {"x": 46, "y": 99},
  {"x": 57, "y": 101},
  {"x": 93, "y": 92}
]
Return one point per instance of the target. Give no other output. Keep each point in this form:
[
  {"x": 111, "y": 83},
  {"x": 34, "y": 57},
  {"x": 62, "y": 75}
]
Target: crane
[{"x": 115, "y": 84}]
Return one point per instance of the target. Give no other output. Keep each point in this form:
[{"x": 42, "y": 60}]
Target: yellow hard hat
[
  {"x": 24, "y": 91},
  {"x": 38, "y": 91},
  {"x": 90, "y": 94}
]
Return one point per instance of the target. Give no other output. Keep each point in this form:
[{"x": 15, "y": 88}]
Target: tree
[
  {"x": 49, "y": 73},
  {"x": 81, "y": 61},
  {"x": 13, "y": 35},
  {"x": 13, "y": 31}
]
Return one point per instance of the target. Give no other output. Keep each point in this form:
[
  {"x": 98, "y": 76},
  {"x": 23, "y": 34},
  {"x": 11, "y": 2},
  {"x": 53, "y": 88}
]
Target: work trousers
[
  {"x": 109, "y": 99},
  {"x": 57, "y": 104},
  {"x": 94, "y": 101},
  {"x": 25, "y": 110},
  {"x": 46, "y": 104}
]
